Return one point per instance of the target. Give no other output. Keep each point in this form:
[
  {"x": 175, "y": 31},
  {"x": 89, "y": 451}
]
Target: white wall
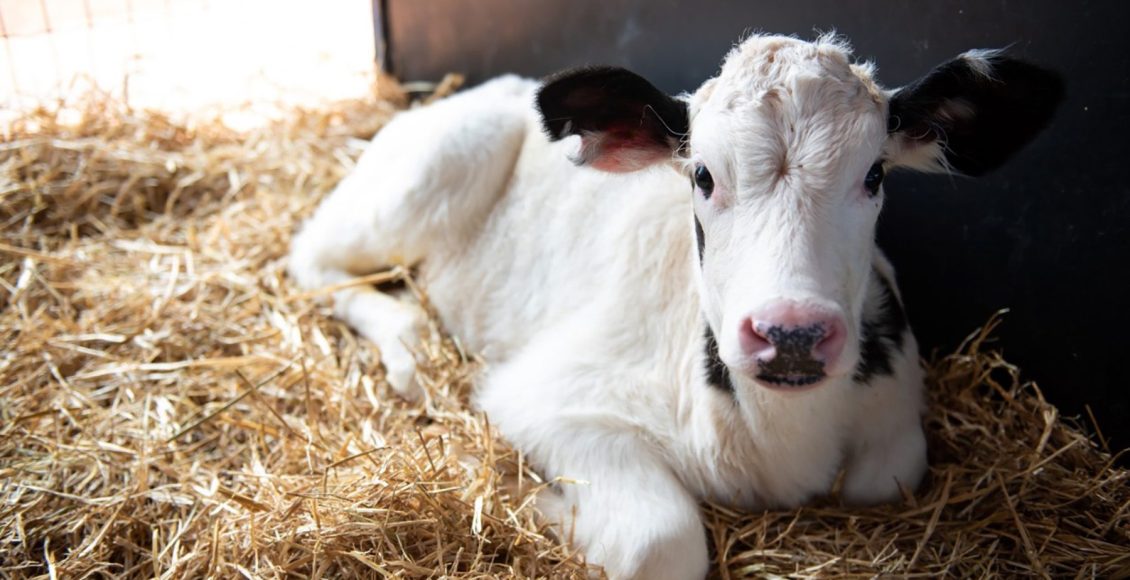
[{"x": 186, "y": 54}]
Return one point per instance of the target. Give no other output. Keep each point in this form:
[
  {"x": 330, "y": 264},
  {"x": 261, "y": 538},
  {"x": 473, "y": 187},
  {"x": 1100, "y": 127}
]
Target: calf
[{"x": 740, "y": 339}]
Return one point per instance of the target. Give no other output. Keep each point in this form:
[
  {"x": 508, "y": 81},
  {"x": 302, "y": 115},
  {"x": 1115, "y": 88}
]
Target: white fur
[{"x": 584, "y": 293}]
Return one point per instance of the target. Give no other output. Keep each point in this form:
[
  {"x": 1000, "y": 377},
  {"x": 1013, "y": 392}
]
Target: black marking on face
[
  {"x": 717, "y": 373},
  {"x": 793, "y": 365},
  {"x": 700, "y": 237},
  {"x": 884, "y": 324}
]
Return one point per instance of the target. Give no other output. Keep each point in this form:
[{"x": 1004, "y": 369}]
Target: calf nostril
[
  {"x": 753, "y": 341},
  {"x": 828, "y": 332},
  {"x": 829, "y": 347}
]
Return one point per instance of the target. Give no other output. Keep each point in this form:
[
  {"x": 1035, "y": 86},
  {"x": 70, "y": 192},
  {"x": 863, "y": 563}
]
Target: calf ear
[
  {"x": 971, "y": 113},
  {"x": 625, "y": 123}
]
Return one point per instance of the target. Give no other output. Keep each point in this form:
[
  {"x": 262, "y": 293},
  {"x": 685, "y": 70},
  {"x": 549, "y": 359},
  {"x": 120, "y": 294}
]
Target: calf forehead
[
  {"x": 763, "y": 62},
  {"x": 790, "y": 108}
]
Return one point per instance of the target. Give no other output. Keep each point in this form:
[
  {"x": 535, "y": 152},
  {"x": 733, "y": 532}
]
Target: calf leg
[
  {"x": 428, "y": 178},
  {"x": 889, "y": 448},
  {"x": 621, "y": 505},
  {"x": 616, "y": 498}
]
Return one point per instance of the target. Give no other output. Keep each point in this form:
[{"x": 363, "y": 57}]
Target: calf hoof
[{"x": 400, "y": 372}]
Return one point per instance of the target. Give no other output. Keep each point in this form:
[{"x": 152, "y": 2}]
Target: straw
[{"x": 171, "y": 405}]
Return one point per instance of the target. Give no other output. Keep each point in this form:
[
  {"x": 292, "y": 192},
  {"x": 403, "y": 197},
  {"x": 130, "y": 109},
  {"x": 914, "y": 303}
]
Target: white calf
[{"x": 740, "y": 340}]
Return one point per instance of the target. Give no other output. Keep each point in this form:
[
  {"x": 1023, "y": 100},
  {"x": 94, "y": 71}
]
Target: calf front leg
[
  {"x": 615, "y": 498},
  {"x": 888, "y": 451},
  {"x": 622, "y": 505}
]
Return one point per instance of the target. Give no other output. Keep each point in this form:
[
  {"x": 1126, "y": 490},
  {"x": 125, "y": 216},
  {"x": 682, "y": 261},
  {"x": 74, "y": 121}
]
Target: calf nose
[{"x": 792, "y": 343}]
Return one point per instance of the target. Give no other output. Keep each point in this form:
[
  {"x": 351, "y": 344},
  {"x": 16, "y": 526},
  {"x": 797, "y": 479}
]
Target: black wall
[{"x": 1048, "y": 236}]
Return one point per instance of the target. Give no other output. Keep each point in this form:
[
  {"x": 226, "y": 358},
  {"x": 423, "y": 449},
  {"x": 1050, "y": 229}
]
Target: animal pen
[{"x": 172, "y": 406}]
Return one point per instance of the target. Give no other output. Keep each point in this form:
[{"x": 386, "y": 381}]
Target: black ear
[
  {"x": 625, "y": 123},
  {"x": 975, "y": 111}
]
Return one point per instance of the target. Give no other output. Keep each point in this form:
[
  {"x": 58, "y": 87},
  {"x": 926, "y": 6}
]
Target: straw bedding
[{"x": 170, "y": 405}]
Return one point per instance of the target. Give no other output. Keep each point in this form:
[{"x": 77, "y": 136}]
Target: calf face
[{"x": 786, "y": 150}]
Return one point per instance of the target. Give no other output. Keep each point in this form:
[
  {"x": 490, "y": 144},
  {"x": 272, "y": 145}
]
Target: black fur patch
[
  {"x": 884, "y": 323},
  {"x": 717, "y": 373},
  {"x": 604, "y": 98},
  {"x": 982, "y": 120},
  {"x": 700, "y": 237}
]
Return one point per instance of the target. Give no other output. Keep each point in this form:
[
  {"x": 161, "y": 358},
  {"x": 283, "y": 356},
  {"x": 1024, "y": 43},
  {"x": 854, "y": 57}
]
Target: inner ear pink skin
[{"x": 623, "y": 150}]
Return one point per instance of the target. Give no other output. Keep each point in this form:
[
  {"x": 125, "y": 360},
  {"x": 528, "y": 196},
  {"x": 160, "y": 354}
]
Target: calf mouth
[{"x": 790, "y": 372}]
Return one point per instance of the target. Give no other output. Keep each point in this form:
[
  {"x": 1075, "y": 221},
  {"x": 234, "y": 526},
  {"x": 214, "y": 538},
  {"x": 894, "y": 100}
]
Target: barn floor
[{"x": 171, "y": 406}]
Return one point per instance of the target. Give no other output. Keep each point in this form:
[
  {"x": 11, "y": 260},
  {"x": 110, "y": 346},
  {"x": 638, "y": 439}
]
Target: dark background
[{"x": 1046, "y": 236}]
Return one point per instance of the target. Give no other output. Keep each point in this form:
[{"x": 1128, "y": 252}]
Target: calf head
[{"x": 786, "y": 150}]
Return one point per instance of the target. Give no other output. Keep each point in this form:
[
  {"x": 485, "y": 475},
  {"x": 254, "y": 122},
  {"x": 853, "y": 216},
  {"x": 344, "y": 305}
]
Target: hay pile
[{"x": 170, "y": 405}]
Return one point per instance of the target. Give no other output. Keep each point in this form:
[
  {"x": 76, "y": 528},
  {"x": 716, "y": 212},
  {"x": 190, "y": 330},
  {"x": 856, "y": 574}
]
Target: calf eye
[
  {"x": 704, "y": 181},
  {"x": 874, "y": 178}
]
